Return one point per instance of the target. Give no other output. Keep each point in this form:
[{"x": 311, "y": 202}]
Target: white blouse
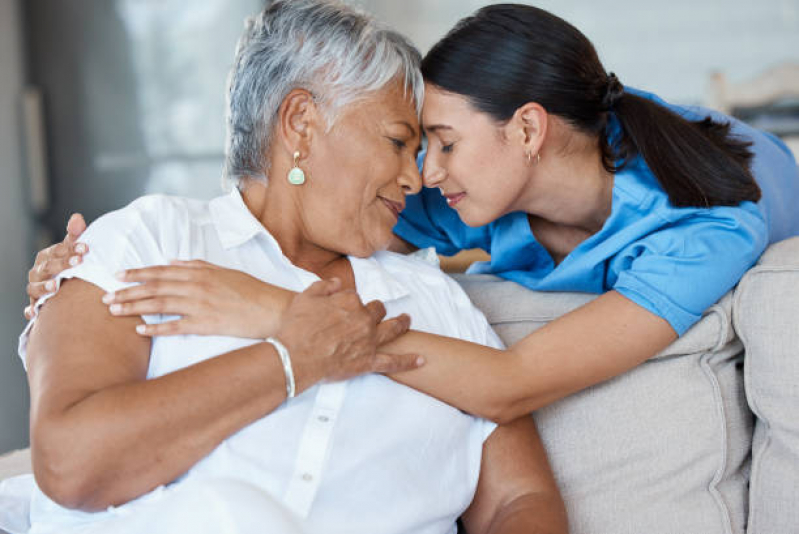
[{"x": 364, "y": 456}]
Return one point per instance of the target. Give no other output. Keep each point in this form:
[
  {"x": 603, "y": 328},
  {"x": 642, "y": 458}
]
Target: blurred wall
[
  {"x": 14, "y": 229},
  {"x": 670, "y": 48}
]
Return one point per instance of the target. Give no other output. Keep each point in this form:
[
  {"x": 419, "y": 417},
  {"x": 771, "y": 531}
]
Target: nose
[
  {"x": 432, "y": 173},
  {"x": 409, "y": 179}
]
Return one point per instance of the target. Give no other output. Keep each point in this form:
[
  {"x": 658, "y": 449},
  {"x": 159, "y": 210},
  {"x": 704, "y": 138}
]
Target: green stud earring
[{"x": 296, "y": 175}]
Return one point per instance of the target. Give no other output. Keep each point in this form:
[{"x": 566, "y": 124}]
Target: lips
[
  {"x": 454, "y": 198},
  {"x": 394, "y": 206}
]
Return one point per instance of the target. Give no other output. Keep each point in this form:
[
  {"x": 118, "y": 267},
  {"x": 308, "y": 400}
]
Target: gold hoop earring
[
  {"x": 530, "y": 158},
  {"x": 296, "y": 175}
]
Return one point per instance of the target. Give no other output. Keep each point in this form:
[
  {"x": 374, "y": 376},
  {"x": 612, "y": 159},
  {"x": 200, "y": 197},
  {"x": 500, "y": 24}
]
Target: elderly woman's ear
[{"x": 299, "y": 119}]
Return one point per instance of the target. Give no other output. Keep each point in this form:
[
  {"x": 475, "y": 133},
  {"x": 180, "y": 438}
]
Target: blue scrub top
[{"x": 675, "y": 262}]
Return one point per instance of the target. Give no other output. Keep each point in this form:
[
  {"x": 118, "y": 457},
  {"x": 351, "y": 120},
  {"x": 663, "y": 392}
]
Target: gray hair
[{"x": 334, "y": 51}]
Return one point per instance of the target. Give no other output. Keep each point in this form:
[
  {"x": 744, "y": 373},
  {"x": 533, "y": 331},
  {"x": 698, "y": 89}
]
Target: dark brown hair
[{"x": 506, "y": 55}]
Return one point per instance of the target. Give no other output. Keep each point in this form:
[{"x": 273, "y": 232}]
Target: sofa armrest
[{"x": 766, "y": 317}]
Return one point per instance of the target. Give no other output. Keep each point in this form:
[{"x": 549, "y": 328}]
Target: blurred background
[{"x": 102, "y": 101}]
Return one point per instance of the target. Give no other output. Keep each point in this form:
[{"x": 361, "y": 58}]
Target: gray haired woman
[{"x": 229, "y": 434}]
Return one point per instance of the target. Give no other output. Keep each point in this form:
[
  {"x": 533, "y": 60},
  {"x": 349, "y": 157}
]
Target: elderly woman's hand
[
  {"x": 332, "y": 336},
  {"x": 54, "y": 259},
  {"x": 211, "y": 300}
]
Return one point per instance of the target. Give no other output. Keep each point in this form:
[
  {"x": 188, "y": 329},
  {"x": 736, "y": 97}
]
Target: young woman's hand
[
  {"x": 211, "y": 300},
  {"x": 53, "y": 260}
]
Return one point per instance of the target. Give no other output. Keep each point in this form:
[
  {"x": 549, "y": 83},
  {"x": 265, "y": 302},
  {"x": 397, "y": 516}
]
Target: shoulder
[
  {"x": 439, "y": 303},
  {"x": 147, "y": 215},
  {"x": 425, "y": 281},
  {"x": 422, "y": 263},
  {"x": 148, "y": 231}
]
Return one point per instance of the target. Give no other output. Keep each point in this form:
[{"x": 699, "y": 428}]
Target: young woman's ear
[
  {"x": 528, "y": 126},
  {"x": 298, "y": 121}
]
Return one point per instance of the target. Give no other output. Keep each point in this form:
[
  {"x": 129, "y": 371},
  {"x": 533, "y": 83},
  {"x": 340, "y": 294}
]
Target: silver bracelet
[{"x": 285, "y": 359}]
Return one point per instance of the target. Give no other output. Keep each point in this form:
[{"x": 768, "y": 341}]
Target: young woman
[{"x": 572, "y": 182}]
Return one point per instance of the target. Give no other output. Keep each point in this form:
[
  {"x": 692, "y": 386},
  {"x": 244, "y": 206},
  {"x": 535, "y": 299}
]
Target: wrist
[
  {"x": 305, "y": 372},
  {"x": 273, "y": 301}
]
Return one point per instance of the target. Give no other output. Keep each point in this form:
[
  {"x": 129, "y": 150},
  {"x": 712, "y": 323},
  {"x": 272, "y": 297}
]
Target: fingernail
[
  {"x": 120, "y": 275},
  {"x": 28, "y": 311},
  {"x": 420, "y": 361},
  {"x": 80, "y": 248},
  {"x": 141, "y": 329},
  {"x": 108, "y": 298},
  {"x": 50, "y": 285},
  {"x": 115, "y": 308},
  {"x": 74, "y": 260}
]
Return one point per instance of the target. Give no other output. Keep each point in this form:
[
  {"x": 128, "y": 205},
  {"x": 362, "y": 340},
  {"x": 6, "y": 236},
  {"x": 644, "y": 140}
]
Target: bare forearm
[
  {"x": 123, "y": 441},
  {"x": 585, "y": 347},
  {"x": 472, "y": 377}
]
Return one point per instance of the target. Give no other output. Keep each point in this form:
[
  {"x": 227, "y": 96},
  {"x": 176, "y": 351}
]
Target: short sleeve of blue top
[{"x": 675, "y": 262}]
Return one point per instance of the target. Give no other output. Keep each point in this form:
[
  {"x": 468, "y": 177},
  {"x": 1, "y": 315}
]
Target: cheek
[{"x": 494, "y": 183}]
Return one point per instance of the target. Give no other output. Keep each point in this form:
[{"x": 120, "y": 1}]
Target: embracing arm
[
  {"x": 593, "y": 343},
  {"x": 102, "y": 434},
  {"x": 598, "y": 341}
]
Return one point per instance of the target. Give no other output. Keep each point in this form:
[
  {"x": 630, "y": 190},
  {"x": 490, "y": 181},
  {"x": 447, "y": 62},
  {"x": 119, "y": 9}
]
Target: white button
[
  {"x": 324, "y": 418},
  {"x": 307, "y": 477}
]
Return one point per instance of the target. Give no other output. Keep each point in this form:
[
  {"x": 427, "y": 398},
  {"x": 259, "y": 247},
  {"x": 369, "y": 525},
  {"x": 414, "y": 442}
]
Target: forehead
[
  {"x": 390, "y": 104},
  {"x": 445, "y": 108}
]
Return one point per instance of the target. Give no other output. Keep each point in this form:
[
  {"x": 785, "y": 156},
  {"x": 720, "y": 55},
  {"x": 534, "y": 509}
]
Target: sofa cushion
[
  {"x": 766, "y": 316},
  {"x": 663, "y": 448},
  {"x": 15, "y": 463}
]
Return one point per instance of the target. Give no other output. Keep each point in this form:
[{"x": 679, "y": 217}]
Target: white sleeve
[
  {"x": 117, "y": 241},
  {"x": 473, "y": 326}
]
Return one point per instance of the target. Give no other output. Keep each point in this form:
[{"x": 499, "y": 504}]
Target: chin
[
  {"x": 476, "y": 216},
  {"x": 475, "y": 219}
]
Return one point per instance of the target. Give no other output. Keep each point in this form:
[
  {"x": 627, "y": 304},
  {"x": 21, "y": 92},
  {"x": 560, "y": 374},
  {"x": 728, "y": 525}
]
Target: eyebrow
[
  {"x": 408, "y": 126},
  {"x": 434, "y": 127}
]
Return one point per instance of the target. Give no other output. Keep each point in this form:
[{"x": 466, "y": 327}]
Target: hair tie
[{"x": 613, "y": 92}]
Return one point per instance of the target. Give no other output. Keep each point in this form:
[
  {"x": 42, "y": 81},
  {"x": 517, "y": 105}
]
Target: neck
[
  {"x": 280, "y": 213},
  {"x": 573, "y": 191}
]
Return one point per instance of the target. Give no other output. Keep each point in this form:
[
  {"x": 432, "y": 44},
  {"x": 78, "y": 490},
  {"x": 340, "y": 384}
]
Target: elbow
[
  {"x": 503, "y": 413},
  {"x": 62, "y": 475},
  {"x": 64, "y": 485}
]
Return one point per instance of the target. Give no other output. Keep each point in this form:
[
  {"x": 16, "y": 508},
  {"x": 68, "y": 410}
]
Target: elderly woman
[{"x": 227, "y": 434}]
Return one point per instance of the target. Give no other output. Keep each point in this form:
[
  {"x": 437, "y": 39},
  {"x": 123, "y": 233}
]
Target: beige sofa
[{"x": 673, "y": 446}]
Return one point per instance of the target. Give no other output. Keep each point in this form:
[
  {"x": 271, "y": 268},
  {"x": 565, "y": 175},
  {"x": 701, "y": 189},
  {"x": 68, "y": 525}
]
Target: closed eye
[
  {"x": 399, "y": 143},
  {"x": 446, "y": 149}
]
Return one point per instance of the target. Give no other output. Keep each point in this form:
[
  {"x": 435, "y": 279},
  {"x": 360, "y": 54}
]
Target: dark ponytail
[{"x": 507, "y": 55}]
